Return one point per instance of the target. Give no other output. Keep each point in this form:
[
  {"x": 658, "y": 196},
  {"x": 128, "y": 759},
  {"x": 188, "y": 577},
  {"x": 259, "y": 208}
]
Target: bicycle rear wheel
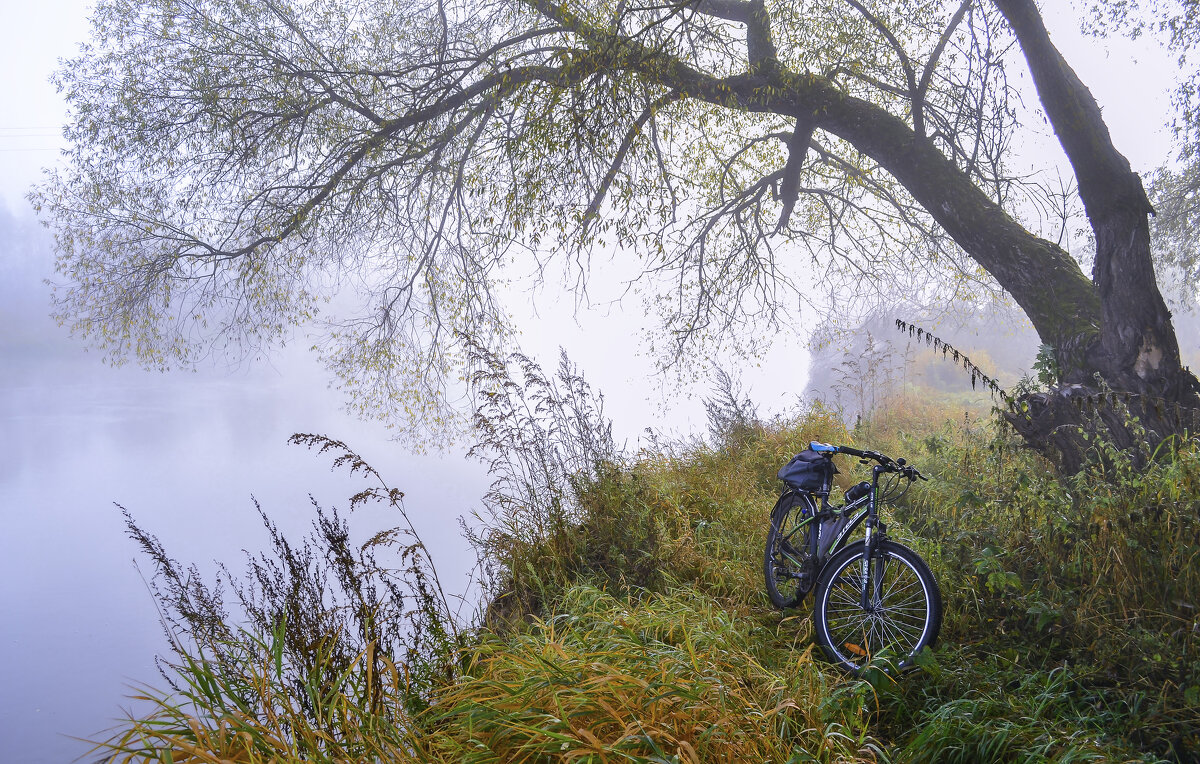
[
  {"x": 786, "y": 564},
  {"x": 903, "y": 614}
]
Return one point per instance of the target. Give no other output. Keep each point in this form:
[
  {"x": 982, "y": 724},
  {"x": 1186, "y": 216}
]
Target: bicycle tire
[
  {"x": 786, "y": 566},
  {"x": 904, "y": 620}
]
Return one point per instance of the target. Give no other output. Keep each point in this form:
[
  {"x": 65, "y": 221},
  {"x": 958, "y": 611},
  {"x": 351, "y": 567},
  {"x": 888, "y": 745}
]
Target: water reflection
[{"x": 184, "y": 453}]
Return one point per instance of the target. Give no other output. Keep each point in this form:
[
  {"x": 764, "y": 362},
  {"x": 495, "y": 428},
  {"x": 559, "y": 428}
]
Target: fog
[{"x": 183, "y": 452}]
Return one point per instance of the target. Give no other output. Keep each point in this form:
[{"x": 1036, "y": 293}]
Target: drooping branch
[
  {"x": 639, "y": 124},
  {"x": 918, "y": 99},
  {"x": 789, "y": 187},
  {"x": 910, "y": 76}
]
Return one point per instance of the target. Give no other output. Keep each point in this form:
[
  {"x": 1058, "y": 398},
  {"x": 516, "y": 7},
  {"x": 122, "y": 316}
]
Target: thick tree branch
[
  {"x": 1041, "y": 277},
  {"x": 760, "y": 47},
  {"x": 789, "y": 187},
  {"x": 730, "y": 10},
  {"x": 1075, "y": 116}
]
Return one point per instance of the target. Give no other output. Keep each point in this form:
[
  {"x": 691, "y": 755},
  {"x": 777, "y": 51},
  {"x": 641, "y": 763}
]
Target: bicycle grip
[{"x": 851, "y": 451}]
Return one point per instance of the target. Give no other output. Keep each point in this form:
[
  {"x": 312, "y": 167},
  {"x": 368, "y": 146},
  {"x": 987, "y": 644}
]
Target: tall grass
[
  {"x": 323, "y": 650},
  {"x": 660, "y": 677},
  {"x": 625, "y": 619},
  {"x": 1092, "y": 580}
]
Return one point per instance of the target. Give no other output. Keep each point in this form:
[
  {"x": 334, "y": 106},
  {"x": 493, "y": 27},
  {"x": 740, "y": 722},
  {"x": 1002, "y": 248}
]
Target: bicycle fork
[
  {"x": 872, "y": 572},
  {"x": 874, "y": 566},
  {"x": 868, "y": 550}
]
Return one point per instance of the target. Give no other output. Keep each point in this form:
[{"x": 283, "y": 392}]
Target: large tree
[{"x": 234, "y": 161}]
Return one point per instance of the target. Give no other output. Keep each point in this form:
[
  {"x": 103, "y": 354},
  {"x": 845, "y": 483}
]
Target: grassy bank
[{"x": 628, "y": 623}]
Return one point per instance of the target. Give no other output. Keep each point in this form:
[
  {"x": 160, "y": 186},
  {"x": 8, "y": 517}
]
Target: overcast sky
[{"x": 33, "y": 36}]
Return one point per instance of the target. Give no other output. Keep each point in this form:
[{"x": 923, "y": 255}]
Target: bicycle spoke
[
  {"x": 900, "y": 639},
  {"x": 915, "y": 610},
  {"x": 786, "y": 565},
  {"x": 897, "y": 620}
]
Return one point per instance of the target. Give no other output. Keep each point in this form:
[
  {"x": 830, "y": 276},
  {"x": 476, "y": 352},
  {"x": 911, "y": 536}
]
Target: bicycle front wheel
[{"x": 903, "y": 613}]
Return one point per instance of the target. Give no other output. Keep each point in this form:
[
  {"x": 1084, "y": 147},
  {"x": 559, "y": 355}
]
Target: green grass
[
  {"x": 628, "y": 623},
  {"x": 655, "y": 677}
]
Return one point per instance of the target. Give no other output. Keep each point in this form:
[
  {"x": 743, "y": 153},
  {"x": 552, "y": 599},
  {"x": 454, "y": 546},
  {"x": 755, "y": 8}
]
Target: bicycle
[{"x": 874, "y": 598}]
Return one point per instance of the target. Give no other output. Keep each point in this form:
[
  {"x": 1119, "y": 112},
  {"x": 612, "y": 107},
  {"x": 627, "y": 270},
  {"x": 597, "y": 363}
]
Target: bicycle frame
[{"x": 865, "y": 509}]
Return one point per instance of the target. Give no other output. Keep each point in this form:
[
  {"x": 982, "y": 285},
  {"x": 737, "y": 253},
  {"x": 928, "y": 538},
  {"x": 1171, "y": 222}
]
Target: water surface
[{"x": 184, "y": 453}]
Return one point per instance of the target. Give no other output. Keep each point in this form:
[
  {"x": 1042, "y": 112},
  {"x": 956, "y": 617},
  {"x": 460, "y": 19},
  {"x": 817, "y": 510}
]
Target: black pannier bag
[{"x": 808, "y": 471}]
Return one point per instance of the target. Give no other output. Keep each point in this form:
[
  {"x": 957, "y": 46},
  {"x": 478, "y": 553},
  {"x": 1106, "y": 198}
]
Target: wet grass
[{"x": 626, "y": 619}]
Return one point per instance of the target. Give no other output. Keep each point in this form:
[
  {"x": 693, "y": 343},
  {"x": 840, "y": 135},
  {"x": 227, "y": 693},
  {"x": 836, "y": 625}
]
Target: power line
[{"x": 12, "y": 136}]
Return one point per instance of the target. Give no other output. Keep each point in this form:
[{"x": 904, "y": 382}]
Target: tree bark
[
  {"x": 1043, "y": 279},
  {"x": 1110, "y": 333},
  {"x": 1137, "y": 349}
]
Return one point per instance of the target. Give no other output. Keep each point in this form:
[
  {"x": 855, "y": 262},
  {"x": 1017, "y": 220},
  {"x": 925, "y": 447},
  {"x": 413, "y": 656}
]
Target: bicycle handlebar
[
  {"x": 851, "y": 451},
  {"x": 827, "y": 448},
  {"x": 909, "y": 471}
]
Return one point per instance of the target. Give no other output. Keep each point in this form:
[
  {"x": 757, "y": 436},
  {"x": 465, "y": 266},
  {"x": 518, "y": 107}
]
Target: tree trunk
[
  {"x": 1136, "y": 350},
  {"x": 1110, "y": 333}
]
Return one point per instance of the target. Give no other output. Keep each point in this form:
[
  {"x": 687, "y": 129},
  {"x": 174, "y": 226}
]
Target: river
[{"x": 183, "y": 452}]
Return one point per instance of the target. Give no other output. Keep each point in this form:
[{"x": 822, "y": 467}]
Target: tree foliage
[{"x": 236, "y": 162}]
